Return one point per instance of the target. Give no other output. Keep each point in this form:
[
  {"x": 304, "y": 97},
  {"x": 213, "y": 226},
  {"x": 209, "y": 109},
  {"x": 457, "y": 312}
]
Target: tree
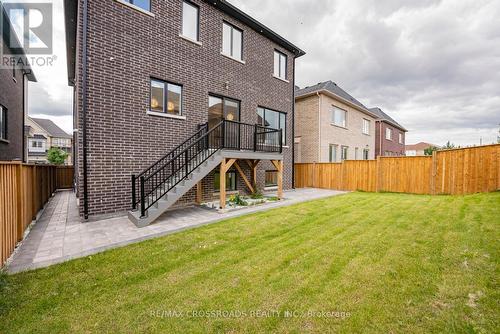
[
  {"x": 56, "y": 156},
  {"x": 449, "y": 145},
  {"x": 430, "y": 150}
]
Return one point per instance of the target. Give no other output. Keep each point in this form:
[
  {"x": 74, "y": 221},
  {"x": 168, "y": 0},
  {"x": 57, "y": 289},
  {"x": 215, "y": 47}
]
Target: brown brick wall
[
  {"x": 306, "y": 128},
  {"x": 384, "y": 147},
  {"x": 126, "y": 48},
  {"x": 11, "y": 97}
]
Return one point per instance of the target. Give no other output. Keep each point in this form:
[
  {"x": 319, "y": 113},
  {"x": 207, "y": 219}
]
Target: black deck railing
[{"x": 162, "y": 176}]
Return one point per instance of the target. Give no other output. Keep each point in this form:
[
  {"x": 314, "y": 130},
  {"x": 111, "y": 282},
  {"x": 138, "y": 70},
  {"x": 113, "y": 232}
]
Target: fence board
[
  {"x": 458, "y": 171},
  {"x": 24, "y": 190}
]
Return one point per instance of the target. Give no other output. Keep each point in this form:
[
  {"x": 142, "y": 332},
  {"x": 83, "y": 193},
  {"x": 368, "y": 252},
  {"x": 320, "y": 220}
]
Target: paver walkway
[{"x": 59, "y": 235}]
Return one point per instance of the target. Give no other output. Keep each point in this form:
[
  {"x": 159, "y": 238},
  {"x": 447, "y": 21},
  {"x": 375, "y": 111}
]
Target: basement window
[
  {"x": 3, "y": 123},
  {"x": 230, "y": 181},
  {"x": 271, "y": 178}
]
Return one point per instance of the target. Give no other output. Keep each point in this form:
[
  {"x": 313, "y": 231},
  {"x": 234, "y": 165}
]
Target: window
[
  {"x": 366, "y": 126},
  {"x": 14, "y": 72},
  {"x": 166, "y": 97},
  {"x": 339, "y": 117},
  {"x": 400, "y": 138},
  {"x": 190, "y": 21},
  {"x": 332, "y": 157},
  {"x": 344, "y": 150},
  {"x": 271, "y": 178},
  {"x": 230, "y": 181},
  {"x": 280, "y": 65},
  {"x": 272, "y": 119},
  {"x": 144, "y": 4},
  {"x": 366, "y": 153},
  {"x": 388, "y": 134},
  {"x": 232, "y": 41},
  {"x": 356, "y": 152},
  {"x": 3, "y": 123}
]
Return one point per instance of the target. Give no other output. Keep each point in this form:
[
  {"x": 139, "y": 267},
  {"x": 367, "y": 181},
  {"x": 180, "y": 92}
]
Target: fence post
[
  {"x": 433, "y": 173},
  {"x": 19, "y": 199},
  {"x": 379, "y": 175},
  {"x": 143, "y": 200}
]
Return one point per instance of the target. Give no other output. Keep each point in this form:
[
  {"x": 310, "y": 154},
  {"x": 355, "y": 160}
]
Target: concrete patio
[{"x": 59, "y": 235}]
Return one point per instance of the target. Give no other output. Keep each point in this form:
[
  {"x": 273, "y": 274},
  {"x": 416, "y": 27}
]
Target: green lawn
[{"x": 392, "y": 263}]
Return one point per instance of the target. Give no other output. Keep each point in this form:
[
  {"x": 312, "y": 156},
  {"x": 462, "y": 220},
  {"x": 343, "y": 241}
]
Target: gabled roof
[
  {"x": 419, "y": 147},
  {"x": 71, "y": 18},
  {"x": 51, "y": 128},
  {"x": 384, "y": 117},
  {"x": 333, "y": 89}
]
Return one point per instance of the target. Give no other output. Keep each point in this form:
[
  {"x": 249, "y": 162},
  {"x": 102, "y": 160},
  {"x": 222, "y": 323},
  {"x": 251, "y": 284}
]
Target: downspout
[
  {"x": 25, "y": 87},
  {"x": 319, "y": 127},
  {"x": 293, "y": 125},
  {"x": 380, "y": 139},
  {"x": 84, "y": 110}
]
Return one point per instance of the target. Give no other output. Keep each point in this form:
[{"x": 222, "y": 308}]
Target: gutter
[{"x": 84, "y": 110}]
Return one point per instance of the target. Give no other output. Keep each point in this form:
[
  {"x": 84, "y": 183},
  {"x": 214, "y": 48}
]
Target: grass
[{"x": 392, "y": 263}]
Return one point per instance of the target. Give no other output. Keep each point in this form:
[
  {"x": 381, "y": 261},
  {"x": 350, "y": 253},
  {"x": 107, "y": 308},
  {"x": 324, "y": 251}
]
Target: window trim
[
  {"x": 192, "y": 4},
  {"x": 332, "y": 158},
  {"x": 5, "y": 124},
  {"x": 280, "y": 54},
  {"x": 401, "y": 141},
  {"x": 165, "y": 99},
  {"x": 369, "y": 126},
  {"x": 332, "y": 120},
  {"x": 230, "y": 56},
  {"x": 342, "y": 147},
  {"x": 137, "y": 8},
  {"x": 388, "y": 131},
  {"x": 279, "y": 120}
]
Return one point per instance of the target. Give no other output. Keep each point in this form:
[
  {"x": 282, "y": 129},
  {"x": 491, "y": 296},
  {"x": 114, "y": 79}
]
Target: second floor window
[
  {"x": 366, "y": 126},
  {"x": 388, "y": 134},
  {"x": 339, "y": 117},
  {"x": 232, "y": 41},
  {"x": 280, "y": 65},
  {"x": 144, "y": 4},
  {"x": 3, "y": 123},
  {"x": 190, "y": 21},
  {"x": 272, "y": 119},
  {"x": 166, "y": 97}
]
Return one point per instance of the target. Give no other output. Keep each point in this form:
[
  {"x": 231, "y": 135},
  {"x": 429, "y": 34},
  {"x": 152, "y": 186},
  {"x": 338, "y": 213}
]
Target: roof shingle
[{"x": 51, "y": 128}]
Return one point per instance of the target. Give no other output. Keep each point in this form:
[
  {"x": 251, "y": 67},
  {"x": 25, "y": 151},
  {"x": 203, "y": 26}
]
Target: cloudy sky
[{"x": 433, "y": 65}]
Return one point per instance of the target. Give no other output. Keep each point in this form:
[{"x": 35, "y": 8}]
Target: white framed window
[
  {"x": 166, "y": 97},
  {"x": 339, "y": 117},
  {"x": 3, "y": 123},
  {"x": 332, "y": 156},
  {"x": 143, "y": 4},
  {"x": 232, "y": 41},
  {"x": 388, "y": 133},
  {"x": 366, "y": 126},
  {"x": 343, "y": 152},
  {"x": 280, "y": 65},
  {"x": 356, "y": 152},
  {"x": 366, "y": 153},
  {"x": 400, "y": 138},
  {"x": 190, "y": 21}
]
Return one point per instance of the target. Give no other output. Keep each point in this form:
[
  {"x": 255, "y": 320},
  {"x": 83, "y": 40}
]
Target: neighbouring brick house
[
  {"x": 13, "y": 101},
  {"x": 154, "y": 72},
  {"x": 418, "y": 149},
  {"x": 389, "y": 135},
  {"x": 42, "y": 135},
  {"x": 331, "y": 125}
]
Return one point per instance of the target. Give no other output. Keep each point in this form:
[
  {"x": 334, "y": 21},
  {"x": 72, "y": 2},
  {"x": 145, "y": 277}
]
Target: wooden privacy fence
[
  {"x": 24, "y": 190},
  {"x": 455, "y": 172}
]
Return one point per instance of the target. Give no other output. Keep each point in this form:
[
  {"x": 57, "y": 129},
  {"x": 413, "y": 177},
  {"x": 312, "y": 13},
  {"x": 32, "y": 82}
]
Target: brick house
[
  {"x": 389, "y": 135},
  {"x": 13, "y": 101},
  {"x": 418, "y": 149},
  {"x": 42, "y": 135},
  {"x": 150, "y": 77},
  {"x": 332, "y": 126}
]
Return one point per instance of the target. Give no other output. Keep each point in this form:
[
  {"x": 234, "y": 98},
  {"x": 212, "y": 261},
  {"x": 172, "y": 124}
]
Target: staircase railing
[{"x": 162, "y": 176}]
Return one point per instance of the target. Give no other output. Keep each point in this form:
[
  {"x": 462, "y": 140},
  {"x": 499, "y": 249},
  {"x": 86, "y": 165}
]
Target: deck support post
[
  {"x": 199, "y": 193},
  {"x": 222, "y": 183},
  {"x": 279, "y": 166}
]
